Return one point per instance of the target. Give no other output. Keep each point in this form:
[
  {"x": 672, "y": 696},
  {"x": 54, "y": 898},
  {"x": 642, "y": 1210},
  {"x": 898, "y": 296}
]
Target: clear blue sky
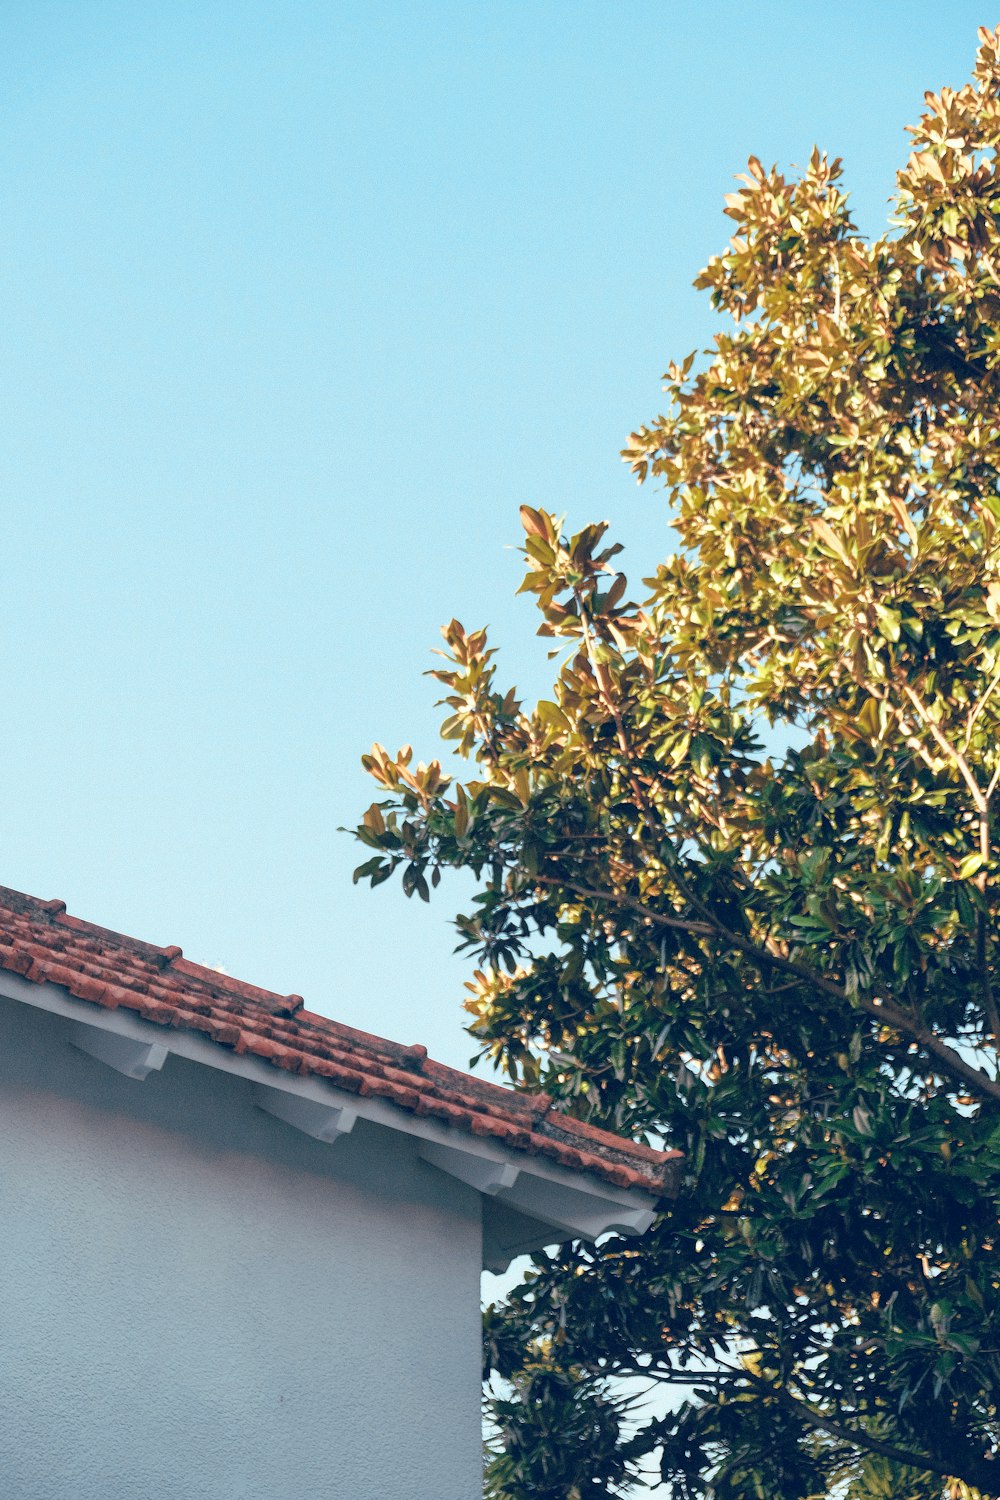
[{"x": 300, "y": 302}]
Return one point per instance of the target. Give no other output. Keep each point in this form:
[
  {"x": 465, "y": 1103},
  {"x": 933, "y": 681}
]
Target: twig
[
  {"x": 978, "y": 710},
  {"x": 956, "y": 757}
]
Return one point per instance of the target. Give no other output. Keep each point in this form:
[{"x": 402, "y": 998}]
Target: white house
[{"x": 240, "y": 1244}]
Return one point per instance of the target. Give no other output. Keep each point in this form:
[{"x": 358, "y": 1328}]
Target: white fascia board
[{"x": 570, "y": 1204}]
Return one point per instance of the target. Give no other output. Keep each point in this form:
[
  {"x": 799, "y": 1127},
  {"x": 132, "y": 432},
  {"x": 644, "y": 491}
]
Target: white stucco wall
[{"x": 199, "y": 1303}]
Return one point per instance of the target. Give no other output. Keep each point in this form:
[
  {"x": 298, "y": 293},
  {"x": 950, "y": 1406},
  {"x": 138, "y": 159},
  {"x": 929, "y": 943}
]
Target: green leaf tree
[{"x": 738, "y": 875}]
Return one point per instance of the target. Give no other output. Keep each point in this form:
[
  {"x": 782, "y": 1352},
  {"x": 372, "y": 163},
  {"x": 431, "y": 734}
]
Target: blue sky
[{"x": 300, "y": 302}]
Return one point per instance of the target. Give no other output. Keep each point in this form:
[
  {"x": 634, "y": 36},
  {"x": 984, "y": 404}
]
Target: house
[{"x": 241, "y": 1244}]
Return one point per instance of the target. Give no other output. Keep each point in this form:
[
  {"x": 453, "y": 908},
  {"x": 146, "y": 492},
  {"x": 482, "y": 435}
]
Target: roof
[{"x": 42, "y": 942}]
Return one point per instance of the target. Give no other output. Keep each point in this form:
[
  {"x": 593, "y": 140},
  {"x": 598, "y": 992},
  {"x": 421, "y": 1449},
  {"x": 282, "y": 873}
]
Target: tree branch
[
  {"x": 980, "y": 1471},
  {"x": 677, "y": 924},
  {"x": 970, "y": 1466},
  {"x": 950, "y": 1062}
]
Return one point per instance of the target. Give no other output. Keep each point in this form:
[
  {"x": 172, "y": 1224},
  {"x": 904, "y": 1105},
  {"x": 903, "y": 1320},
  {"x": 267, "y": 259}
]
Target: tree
[{"x": 784, "y": 960}]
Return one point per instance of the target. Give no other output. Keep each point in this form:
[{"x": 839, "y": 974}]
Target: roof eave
[{"x": 529, "y": 1202}]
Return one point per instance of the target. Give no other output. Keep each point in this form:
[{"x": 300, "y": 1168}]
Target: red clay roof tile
[{"x": 39, "y": 940}]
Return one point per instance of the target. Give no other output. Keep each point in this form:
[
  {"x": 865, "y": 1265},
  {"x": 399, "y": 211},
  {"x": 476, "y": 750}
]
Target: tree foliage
[{"x": 738, "y": 875}]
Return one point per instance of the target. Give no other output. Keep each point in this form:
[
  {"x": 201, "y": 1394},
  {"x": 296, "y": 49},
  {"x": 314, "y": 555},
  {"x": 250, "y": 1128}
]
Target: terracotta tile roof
[{"x": 42, "y": 942}]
